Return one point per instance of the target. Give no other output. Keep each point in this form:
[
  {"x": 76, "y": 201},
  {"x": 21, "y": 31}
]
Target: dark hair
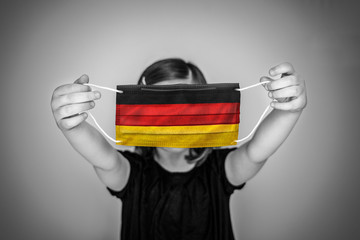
[{"x": 170, "y": 69}]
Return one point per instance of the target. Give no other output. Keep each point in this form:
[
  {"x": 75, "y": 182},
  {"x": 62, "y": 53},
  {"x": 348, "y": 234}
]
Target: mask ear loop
[
  {"x": 110, "y": 138},
  {"x": 106, "y": 88},
  {"x": 262, "y": 116},
  {"x": 93, "y": 118}
]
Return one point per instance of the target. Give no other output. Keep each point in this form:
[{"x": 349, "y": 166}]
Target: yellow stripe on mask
[{"x": 178, "y": 140}]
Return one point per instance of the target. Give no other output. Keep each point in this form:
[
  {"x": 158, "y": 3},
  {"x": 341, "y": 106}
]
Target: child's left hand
[{"x": 289, "y": 91}]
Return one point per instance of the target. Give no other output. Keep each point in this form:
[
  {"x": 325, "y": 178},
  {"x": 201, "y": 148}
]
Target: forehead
[{"x": 175, "y": 81}]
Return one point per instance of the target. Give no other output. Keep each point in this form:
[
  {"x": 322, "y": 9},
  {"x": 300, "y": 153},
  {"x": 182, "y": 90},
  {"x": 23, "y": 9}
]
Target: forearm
[
  {"x": 86, "y": 140},
  {"x": 271, "y": 133}
]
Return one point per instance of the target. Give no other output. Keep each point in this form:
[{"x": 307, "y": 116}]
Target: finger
[
  {"x": 70, "y": 110},
  {"x": 83, "y": 79},
  {"x": 78, "y": 97},
  {"x": 266, "y": 79},
  {"x": 283, "y": 82},
  {"x": 283, "y": 68},
  {"x": 70, "y": 88},
  {"x": 72, "y": 122},
  {"x": 295, "y": 105},
  {"x": 288, "y": 92}
]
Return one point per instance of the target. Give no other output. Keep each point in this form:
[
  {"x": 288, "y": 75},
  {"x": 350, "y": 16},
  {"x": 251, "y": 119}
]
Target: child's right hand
[{"x": 70, "y": 101}]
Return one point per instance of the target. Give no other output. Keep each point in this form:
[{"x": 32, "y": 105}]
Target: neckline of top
[{"x": 175, "y": 172}]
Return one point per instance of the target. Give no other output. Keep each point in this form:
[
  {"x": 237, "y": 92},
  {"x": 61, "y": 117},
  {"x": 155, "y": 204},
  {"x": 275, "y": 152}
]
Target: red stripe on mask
[
  {"x": 177, "y": 120},
  {"x": 177, "y": 109}
]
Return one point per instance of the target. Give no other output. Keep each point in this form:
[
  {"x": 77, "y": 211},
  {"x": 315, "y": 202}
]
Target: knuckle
[
  {"x": 276, "y": 94},
  {"x": 296, "y": 91},
  {"x": 65, "y": 124},
  {"x": 302, "y": 103},
  {"x": 295, "y": 80},
  {"x": 75, "y": 88},
  {"x": 72, "y": 87},
  {"x": 58, "y": 89},
  {"x": 67, "y": 98},
  {"x": 296, "y": 105},
  {"x": 283, "y": 93},
  {"x": 63, "y": 89},
  {"x": 52, "y": 103},
  {"x": 66, "y": 110},
  {"x": 86, "y": 106},
  {"x": 91, "y": 96},
  {"x": 57, "y": 115},
  {"x": 292, "y": 79}
]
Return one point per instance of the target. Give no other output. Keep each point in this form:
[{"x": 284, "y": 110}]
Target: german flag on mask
[{"x": 180, "y": 115}]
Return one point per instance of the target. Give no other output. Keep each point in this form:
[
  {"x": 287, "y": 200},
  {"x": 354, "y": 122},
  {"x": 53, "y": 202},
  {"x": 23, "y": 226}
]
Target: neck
[{"x": 173, "y": 159}]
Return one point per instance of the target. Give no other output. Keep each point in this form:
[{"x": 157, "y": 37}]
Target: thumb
[{"x": 83, "y": 79}]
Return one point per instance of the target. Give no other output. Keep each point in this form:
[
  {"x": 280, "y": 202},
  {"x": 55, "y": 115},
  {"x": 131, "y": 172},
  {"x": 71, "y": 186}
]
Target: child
[{"x": 178, "y": 193}]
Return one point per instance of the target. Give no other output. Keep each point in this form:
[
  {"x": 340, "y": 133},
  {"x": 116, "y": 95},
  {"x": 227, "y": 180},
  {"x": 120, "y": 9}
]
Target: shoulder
[
  {"x": 216, "y": 162},
  {"x": 218, "y": 155}
]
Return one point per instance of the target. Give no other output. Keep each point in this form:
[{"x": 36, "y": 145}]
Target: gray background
[{"x": 309, "y": 189}]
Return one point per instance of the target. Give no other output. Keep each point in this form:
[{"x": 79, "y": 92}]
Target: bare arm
[
  {"x": 245, "y": 162},
  {"x": 69, "y": 103}
]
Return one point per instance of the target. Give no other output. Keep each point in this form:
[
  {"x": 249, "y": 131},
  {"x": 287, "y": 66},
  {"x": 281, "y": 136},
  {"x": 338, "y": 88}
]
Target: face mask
[{"x": 179, "y": 116}]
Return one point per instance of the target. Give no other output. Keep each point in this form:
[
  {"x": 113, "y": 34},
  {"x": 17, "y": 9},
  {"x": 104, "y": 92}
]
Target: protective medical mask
[{"x": 180, "y": 115}]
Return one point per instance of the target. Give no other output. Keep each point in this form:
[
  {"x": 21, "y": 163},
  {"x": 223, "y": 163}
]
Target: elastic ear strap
[
  {"x": 106, "y": 88},
  {"x": 256, "y": 126},
  {"x": 93, "y": 118},
  {"x": 251, "y": 86},
  {"x": 262, "y": 116}
]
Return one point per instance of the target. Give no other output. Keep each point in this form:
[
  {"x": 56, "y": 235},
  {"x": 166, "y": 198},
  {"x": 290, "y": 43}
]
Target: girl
[{"x": 178, "y": 193}]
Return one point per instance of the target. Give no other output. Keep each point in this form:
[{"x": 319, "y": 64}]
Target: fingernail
[
  {"x": 270, "y": 94},
  {"x": 92, "y": 104},
  {"x": 97, "y": 95},
  {"x": 272, "y": 104},
  {"x": 267, "y": 86}
]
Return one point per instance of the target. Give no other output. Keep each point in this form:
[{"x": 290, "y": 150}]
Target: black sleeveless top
[{"x": 158, "y": 204}]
